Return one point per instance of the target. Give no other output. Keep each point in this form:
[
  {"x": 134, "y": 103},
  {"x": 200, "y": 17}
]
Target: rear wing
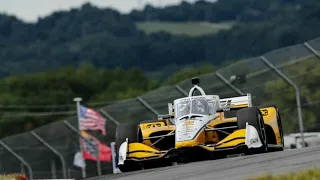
[{"x": 235, "y": 103}]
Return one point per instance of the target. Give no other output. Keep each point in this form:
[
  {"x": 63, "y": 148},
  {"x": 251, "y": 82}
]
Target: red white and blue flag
[{"x": 91, "y": 120}]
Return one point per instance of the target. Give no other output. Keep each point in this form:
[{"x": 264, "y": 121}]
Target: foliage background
[{"x": 105, "y": 56}]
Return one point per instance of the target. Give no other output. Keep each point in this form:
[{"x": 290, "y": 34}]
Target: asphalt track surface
[{"x": 232, "y": 168}]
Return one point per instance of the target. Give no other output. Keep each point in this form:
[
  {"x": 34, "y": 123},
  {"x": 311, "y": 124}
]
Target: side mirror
[
  {"x": 162, "y": 117},
  {"x": 224, "y": 109}
]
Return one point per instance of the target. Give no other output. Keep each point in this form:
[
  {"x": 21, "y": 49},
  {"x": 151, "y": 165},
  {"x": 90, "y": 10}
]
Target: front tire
[{"x": 253, "y": 116}]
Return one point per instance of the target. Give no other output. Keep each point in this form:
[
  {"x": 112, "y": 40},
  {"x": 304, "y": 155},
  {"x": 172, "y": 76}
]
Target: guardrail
[{"x": 47, "y": 152}]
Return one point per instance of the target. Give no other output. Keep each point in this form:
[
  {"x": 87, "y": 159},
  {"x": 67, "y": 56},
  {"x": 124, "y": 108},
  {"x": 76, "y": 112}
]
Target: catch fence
[{"x": 300, "y": 63}]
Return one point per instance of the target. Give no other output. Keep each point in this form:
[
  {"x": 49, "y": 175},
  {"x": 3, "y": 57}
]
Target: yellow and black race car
[{"x": 199, "y": 127}]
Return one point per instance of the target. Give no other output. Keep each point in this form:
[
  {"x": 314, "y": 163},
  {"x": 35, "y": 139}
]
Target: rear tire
[
  {"x": 253, "y": 116},
  {"x": 279, "y": 123},
  {"x": 129, "y": 131},
  {"x": 280, "y": 129}
]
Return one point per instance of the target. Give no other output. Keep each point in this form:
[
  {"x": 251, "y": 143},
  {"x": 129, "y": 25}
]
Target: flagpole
[
  {"x": 78, "y": 100},
  {"x": 98, "y": 161}
]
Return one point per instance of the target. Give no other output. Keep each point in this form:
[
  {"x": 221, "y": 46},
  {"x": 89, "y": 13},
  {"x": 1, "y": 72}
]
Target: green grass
[
  {"x": 185, "y": 28},
  {"x": 312, "y": 174}
]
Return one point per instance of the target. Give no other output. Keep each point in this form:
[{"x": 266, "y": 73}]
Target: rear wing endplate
[{"x": 237, "y": 102}]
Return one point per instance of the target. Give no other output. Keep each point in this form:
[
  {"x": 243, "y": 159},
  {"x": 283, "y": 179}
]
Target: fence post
[
  {"x": 143, "y": 102},
  {"x": 53, "y": 169},
  {"x": 63, "y": 162},
  {"x": 69, "y": 172},
  {"x": 109, "y": 117},
  {"x": 19, "y": 158},
  {"x": 22, "y": 168},
  {"x": 237, "y": 90},
  {"x": 308, "y": 46},
  {"x": 80, "y": 135},
  {"x": 297, "y": 94},
  {"x": 181, "y": 90}
]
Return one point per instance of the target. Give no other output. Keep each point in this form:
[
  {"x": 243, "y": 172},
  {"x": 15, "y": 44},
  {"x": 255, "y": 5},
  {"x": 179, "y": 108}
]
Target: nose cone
[
  {"x": 184, "y": 144},
  {"x": 189, "y": 134}
]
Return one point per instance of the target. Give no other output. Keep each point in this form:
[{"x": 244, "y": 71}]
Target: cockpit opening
[{"x": 197, "y": 105}]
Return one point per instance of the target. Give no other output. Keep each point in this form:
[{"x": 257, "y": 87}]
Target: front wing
[{"x": 244, "y": 138}]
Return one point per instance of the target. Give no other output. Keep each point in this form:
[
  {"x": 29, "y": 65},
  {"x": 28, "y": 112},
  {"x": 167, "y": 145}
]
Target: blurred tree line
[
  {"x": 109, "y": 39},
  {"x": 25, "y": 98},
  {"x": 71, "y": 45},
  {"x": 222, "y": 10},
  {"x": 59, "y": 88}
]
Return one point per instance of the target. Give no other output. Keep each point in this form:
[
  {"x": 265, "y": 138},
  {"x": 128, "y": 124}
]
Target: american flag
[{"x": 91, "y": 120}]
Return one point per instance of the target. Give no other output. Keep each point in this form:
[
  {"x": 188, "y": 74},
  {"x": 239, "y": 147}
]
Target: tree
[
  {"x": 305, "y": 74},
  {"x": 26, "y": 94}
]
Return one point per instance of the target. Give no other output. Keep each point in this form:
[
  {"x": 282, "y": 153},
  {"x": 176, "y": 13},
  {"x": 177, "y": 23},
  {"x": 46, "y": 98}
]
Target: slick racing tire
[
  {"x": 281, "y": 130},
  {"x": 129, "y": 131},
  {"x": 279, "y": 123},
  {"x": 253, "y": 116}
]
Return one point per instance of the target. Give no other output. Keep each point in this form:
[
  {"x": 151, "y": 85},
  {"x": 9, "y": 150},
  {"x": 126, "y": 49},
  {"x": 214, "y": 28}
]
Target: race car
[{"x": 199, "y": 127}]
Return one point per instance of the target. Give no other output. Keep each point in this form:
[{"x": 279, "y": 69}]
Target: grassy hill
[{"x": 184, "y": 28}]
